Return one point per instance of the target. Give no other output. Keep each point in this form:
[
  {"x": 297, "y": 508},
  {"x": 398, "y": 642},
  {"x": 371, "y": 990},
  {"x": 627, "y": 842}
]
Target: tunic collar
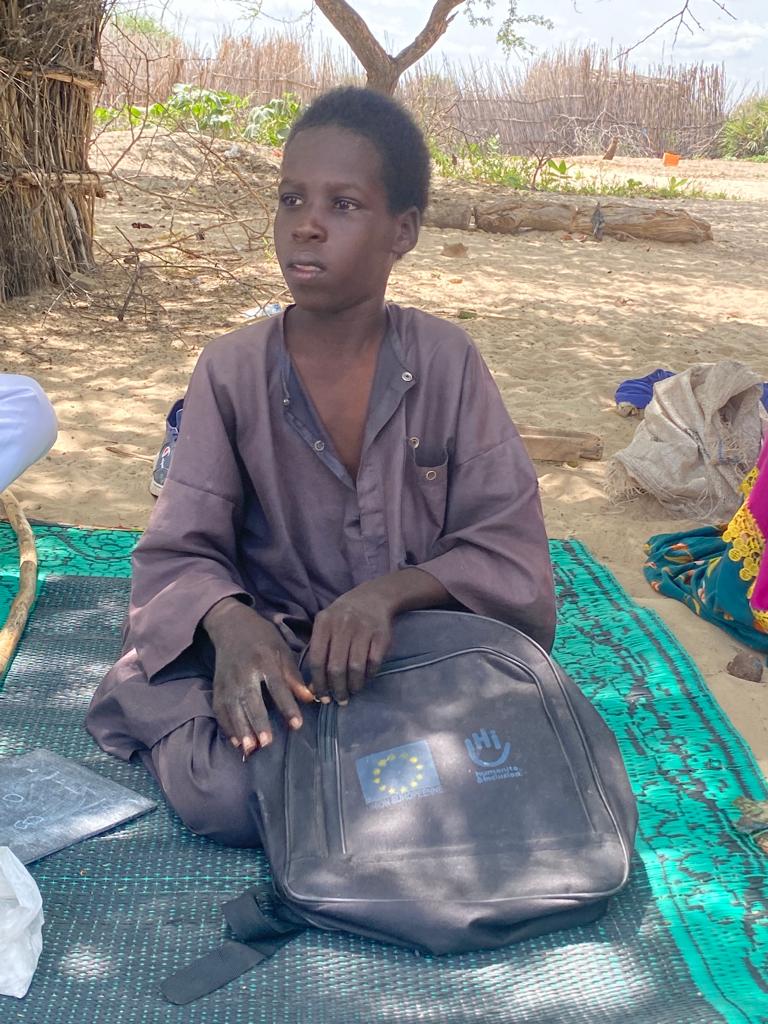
[{"x": 393, "y": 378}]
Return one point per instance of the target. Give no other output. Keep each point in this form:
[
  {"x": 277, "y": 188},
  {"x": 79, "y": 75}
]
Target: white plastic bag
[{"x": 21, "y": 922}]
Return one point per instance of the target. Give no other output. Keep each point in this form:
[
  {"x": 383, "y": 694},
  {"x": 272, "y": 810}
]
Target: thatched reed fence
[
  {"x": 569, "y": 102},
  {"x": 141, "y": 68},
  {"x": 575, "y": 101},
  {"x": 47, "y": 81}
]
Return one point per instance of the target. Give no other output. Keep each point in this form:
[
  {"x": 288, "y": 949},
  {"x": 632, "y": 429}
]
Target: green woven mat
[{"x": 686, "y": 763}]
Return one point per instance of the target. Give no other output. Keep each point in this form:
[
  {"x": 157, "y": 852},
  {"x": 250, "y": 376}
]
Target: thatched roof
[{"x": 47, "y": 74}]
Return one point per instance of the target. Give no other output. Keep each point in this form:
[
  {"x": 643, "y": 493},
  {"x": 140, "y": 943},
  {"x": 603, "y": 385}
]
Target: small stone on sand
[{"x": 745, "y": 666}]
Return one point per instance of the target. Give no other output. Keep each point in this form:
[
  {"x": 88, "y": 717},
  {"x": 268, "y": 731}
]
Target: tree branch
[
  {"x": 382, "y": 68},
  {"x": 679, "y": 17},
  {"x": 351, "y": 26},
  {"x": 440, "y": 18}
]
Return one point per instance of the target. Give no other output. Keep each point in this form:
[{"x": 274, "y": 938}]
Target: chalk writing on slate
[{"x": 48, "y": 802}]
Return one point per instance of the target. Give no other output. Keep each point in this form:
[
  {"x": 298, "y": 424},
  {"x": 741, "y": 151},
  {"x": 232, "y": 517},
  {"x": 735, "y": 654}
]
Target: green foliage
[
  {"x": 118, "y": 117},
  {"x": 507, "y": 34},
  {"x": 271, "y": 123},
  {"x": 484, "y": 161},
  {"x": 220, "y": 114},
  {"x": 203, "y": 110},
  {"x": 105, "y": 117},
  {"x": 141, "y": 24},
  {"x": 746, "y": 131}
]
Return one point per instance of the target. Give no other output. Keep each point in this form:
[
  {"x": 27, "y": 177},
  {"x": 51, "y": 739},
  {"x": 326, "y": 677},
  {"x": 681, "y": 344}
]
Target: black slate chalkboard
[{"x": 48, "y": 802}]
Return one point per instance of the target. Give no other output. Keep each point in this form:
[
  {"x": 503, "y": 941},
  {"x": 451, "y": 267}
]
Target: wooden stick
[
  {"x": 51, "y": 73},
  {"x": 11, "y": 632},
  {"x": 47, "y": 179},
  {"x": 560, "y": 445},
  {"x": 128, "y": 453}
]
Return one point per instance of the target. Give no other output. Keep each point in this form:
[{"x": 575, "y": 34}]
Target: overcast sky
[{"x": 742, "y": 44}]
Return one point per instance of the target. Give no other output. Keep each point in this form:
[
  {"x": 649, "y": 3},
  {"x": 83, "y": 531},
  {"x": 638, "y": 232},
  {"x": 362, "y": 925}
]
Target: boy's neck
[{"x": 346, "y": 334}]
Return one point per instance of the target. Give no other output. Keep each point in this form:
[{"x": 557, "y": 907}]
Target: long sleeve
[
  {"x": 493, "y": 556},
  {"x": 28, "y": 426},
  {"x": 187, "y": 559}
]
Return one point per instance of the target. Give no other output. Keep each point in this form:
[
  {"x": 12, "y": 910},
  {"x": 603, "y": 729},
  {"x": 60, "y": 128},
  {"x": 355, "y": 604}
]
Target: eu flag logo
[{"x": 398, "y": 774}]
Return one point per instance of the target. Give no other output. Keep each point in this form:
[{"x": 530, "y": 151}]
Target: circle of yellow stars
[{"x": 411, "y": 761}]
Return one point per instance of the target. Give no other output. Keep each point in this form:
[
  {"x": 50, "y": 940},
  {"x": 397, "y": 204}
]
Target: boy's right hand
[{"x": 250, "y": 652}]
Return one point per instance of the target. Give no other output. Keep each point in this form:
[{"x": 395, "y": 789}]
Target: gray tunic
[{"x": 257, "y": 505}]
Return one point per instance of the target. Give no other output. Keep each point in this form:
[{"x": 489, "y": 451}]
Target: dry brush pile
[{"x": 47, "y": 82}]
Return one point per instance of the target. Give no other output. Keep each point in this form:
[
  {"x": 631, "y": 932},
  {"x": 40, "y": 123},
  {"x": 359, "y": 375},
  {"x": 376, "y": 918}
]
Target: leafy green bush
[
  {"x": 221, "y": 114},
  {"x": 202, "y": 110},
  {"x": 484, "y": 161},
  {"x": 118, "y": 117},
  {"x": 271, "y": 124},
  {"x": 746, "y": 131}
]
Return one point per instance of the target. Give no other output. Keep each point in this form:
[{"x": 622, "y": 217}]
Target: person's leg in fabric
[
  {"x": 204, "y": 779},
  {"x": 169, "y": 725}
]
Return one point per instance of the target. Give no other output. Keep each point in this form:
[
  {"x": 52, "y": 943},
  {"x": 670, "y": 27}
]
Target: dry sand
[{"x": 560, "y": 323}]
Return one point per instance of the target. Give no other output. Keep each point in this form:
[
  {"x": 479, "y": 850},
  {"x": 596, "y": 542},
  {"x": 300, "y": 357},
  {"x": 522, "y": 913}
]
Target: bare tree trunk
[
  {"x": 384, "y": 70},
  {"x": 383, "y": 76}
]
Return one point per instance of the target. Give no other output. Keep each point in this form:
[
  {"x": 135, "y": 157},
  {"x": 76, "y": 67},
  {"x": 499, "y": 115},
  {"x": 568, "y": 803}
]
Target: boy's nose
[{"x": 308, "y": 227}]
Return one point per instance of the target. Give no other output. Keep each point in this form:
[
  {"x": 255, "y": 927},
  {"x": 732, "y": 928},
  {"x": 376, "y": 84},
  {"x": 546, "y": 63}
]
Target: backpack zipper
[{"x": 330, "y": 777}]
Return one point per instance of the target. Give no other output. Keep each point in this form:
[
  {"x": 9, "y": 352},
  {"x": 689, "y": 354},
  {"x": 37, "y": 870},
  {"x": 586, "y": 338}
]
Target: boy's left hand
[{"x": 350, "y": 639}]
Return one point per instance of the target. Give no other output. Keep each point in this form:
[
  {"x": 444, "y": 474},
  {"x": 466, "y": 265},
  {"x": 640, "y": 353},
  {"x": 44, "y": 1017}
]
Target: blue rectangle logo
[{"x": 400, "y": 773}]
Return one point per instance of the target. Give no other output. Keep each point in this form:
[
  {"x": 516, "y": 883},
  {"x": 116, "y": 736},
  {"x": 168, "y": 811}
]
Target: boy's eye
[
  {"x": 345, "y": 204},
  {"x": 290, "y": 199}
]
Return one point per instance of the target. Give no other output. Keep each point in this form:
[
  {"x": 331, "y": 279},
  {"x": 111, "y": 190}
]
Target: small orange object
[{"x": 671, "y": 159}]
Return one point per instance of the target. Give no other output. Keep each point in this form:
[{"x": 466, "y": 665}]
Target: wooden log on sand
[
  {"x": 560, "y": 445},
  {"x": 448, "y": 212},
  {"x": 11, "y": 632},
  {"x": 620, "y": 220}
]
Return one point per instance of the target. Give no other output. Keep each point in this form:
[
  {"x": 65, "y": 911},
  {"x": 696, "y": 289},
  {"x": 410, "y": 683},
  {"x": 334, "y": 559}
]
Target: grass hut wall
[{"x": 48, "y": 52}]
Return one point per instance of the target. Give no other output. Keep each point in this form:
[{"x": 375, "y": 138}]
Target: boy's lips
[{"x": 305, "y": 269}]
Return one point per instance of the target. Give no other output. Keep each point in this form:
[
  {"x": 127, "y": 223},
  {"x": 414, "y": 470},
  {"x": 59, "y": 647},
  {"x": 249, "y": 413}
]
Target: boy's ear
[{"x": 408, "y": 227}]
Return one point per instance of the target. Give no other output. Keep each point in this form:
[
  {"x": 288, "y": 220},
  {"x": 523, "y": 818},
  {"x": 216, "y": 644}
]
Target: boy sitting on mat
[{"x": 337, "y": 464}]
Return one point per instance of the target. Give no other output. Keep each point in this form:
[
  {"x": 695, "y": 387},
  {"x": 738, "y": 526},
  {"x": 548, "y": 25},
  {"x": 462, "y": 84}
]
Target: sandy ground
[{"x": 561, "y": 323}]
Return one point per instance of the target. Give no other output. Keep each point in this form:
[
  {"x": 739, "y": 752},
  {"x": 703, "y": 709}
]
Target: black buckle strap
[
  {"x": 260, "y": 938},
  {"x": 249, "y": 923}
]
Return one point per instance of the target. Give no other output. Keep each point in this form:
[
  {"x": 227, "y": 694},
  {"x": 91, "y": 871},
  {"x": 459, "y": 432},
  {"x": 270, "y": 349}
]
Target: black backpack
[{"x": 469, "y": 797}]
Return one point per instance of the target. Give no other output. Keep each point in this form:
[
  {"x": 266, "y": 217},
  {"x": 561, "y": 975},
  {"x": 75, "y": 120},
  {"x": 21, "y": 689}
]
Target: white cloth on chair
[{"x": 28, "y": 426}]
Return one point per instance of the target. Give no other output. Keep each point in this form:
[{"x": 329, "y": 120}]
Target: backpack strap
[{"x": 259, "y": 938}]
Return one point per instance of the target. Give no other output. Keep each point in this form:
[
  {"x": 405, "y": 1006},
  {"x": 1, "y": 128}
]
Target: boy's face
[{"x": 335, "y": 238}]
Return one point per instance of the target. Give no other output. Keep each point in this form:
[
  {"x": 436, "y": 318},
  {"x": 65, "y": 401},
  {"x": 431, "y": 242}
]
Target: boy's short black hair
[{"x": 391, "y": 129}]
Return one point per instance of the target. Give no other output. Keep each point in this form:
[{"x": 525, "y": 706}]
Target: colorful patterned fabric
[{"x": 719, "y": 572}]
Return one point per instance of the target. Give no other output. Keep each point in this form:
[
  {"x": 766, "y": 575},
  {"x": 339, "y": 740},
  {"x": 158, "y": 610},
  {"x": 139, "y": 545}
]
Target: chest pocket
[{"x": 425, "y": 495}]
